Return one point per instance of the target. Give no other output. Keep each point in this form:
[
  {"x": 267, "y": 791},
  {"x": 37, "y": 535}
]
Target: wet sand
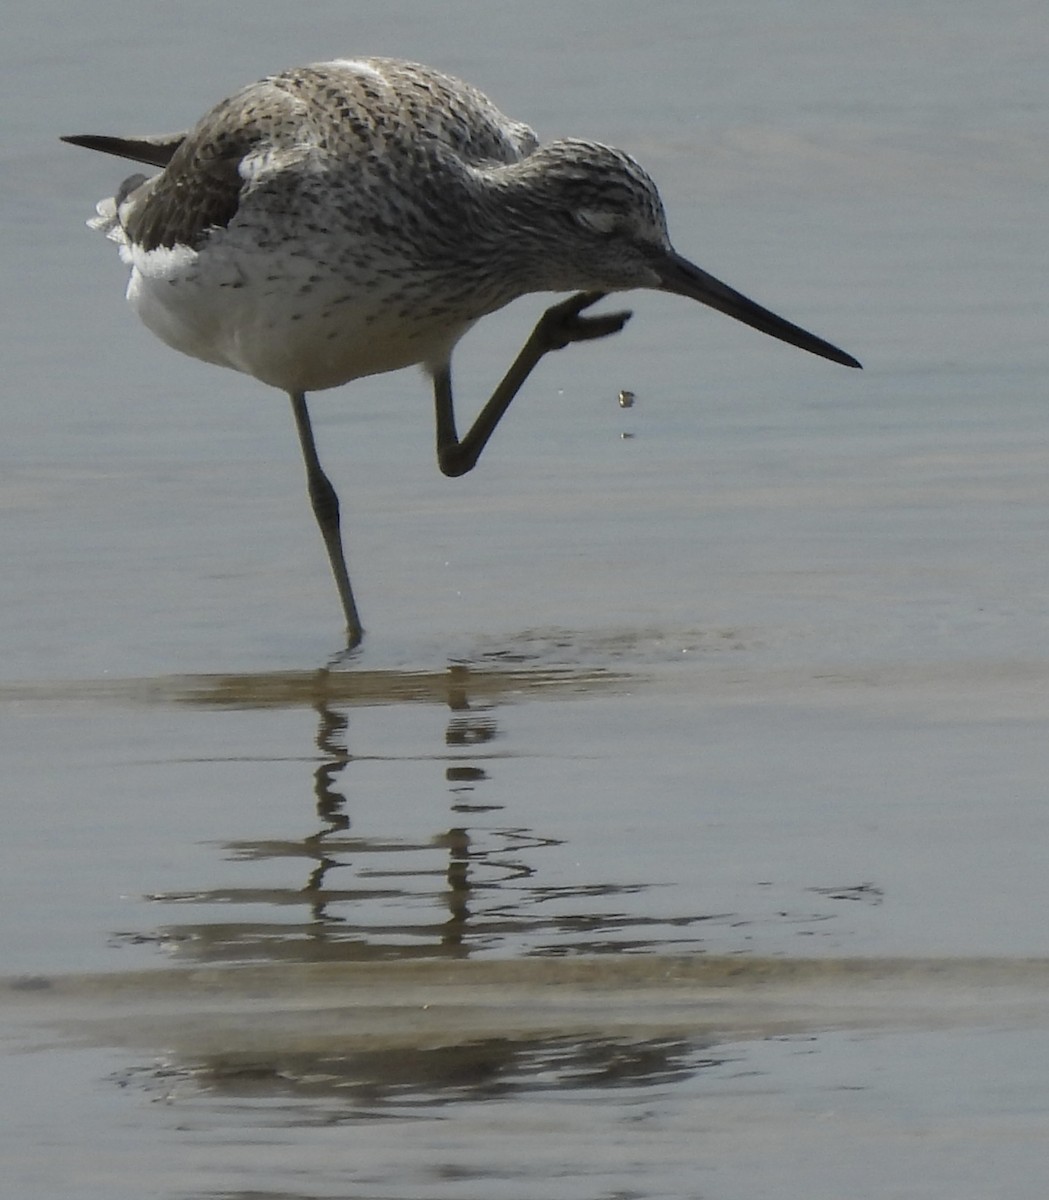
[{"x": 644, "y": 1075}]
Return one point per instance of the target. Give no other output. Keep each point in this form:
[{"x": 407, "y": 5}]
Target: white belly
[{"x": 282, "y": 318}]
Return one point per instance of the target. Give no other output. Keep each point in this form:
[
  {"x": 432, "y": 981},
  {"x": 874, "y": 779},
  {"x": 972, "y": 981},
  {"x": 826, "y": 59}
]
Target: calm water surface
[{"x": 680, "y": 830}]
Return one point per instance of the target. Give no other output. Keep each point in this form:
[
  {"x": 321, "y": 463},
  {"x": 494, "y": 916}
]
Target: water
[{"x": 748, "y": 677}]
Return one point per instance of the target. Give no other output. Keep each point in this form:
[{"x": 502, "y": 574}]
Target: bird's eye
[{"x": 596, "y": 220}]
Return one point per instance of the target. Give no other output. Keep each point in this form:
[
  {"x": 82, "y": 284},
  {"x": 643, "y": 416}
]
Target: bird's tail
[{"x": 155, "y": 150}]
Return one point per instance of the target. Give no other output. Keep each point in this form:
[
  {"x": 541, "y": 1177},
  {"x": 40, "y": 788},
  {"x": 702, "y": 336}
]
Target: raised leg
[
  {"x": 558, "y": 327},
  {"x": 326, "y": 509}
]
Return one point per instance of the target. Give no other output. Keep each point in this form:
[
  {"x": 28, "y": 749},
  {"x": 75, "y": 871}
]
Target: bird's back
[
  {"x": 402, "y": 100},
  {"x": 346, "y": 112}
]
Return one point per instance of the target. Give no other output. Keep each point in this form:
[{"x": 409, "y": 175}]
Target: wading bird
[{"x": 355, "y": 217}]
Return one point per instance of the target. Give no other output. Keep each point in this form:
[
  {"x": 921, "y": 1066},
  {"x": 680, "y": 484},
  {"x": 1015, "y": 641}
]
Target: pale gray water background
[{"x": 764, "y": 682}]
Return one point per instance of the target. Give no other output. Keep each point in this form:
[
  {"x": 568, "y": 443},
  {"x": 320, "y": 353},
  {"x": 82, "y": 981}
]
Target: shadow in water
[{"x": 473, "y": 885}]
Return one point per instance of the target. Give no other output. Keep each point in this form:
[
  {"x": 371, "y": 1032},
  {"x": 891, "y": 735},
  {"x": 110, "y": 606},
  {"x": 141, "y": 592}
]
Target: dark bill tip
[{"x": 682, "y": 278}]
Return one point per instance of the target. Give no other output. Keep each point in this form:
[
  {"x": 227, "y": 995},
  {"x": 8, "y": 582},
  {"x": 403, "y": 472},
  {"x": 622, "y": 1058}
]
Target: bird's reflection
[
  {"x": 475, "y": 885},
  {"x": 331, "y": 742}
]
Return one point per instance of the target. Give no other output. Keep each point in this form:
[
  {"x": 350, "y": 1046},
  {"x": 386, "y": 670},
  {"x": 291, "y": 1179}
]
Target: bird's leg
[
  {"x": 326, "y": 509},
  {"x": 558, "y": 327}
]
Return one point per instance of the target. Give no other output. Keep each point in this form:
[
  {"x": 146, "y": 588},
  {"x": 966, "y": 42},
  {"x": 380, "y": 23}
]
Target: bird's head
[{"x": 587, "y": 217}]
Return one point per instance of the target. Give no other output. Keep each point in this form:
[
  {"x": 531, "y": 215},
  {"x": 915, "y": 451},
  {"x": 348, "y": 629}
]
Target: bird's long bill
[{"x": 683, "y": 278}]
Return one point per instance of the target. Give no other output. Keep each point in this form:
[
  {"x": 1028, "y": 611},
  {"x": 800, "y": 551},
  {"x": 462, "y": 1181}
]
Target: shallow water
[{"x": 680, "y": 829}]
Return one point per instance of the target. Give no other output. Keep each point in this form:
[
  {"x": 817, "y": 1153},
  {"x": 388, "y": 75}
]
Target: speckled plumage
[
  {"x": 360, "y": 211},
  {"x": 358, "y": 216}
]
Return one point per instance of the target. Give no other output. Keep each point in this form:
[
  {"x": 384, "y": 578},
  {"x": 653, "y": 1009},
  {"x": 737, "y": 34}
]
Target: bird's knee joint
[{"x": 325, "y": 504}]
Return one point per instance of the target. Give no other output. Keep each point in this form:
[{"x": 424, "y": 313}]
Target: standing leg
[
  {"x": 556, "y": 328},
  {"x": 326, "y": 509}
]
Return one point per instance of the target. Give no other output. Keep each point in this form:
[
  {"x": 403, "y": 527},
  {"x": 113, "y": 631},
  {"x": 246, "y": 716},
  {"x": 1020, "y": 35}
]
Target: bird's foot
[{"x": 562, "y": 324}]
